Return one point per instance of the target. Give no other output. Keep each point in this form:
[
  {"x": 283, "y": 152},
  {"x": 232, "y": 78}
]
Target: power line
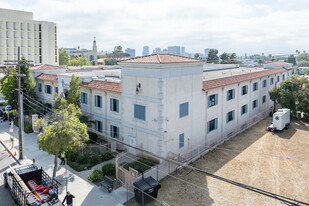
[{"x": 287, "y": 200}]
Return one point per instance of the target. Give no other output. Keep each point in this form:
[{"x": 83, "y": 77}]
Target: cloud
[{"x": 242, "y": 26}]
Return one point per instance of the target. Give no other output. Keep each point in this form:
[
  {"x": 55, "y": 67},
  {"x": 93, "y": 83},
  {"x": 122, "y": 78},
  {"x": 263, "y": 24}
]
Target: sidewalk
[{"x": 86, "y": 193}]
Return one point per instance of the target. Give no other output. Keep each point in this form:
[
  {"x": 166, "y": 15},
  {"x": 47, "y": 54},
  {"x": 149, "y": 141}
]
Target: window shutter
[
  {"x": 227, "y": 95},
  {"x": 112, "y": 132},
  {"x": 209, "y": 101},
  {"x": 86, "y": 101},
  {"x": 227, "y": 117},
  {"x": 117, "y": 131},
  {"x": 216, "y": 123},
  {"x": 111, "y": 104},
  {"x": 246, "y": 108},
  {"x": 208, "y": 124},
  {"x": 216, "y": 99},
  {"x": 96, "y": 125},
  {"x": 233, "y": 114},
  {"x": 95, "y": 100},
  {"x": 117, "y": 105},
  {"x": 233, "y": 93}
]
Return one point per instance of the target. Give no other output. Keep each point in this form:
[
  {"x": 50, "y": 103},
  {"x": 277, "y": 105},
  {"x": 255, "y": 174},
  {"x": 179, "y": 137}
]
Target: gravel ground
[{"x": 277, "y": 163}]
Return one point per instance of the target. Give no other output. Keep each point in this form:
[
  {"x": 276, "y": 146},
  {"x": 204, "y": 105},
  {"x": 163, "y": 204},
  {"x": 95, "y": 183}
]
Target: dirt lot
[{"x": 277, "y": 163}]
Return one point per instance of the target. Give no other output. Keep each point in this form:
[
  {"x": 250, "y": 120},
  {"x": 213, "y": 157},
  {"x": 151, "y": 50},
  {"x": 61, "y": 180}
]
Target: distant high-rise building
[
  {"x": 182, "y": 51},
  {"x": 174, "y": 50},
  {"x": 130, "y": 51},
  {"x": 206, "y": 51},
  {"x": 157, "y": 51},
  {"x": 145, "y": 50},
  {"x": 37, "y": 39},
  {"x": 165, "y": 51}
]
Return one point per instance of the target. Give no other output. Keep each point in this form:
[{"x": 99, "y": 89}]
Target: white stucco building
[
  {"x": 37, "y": 39},
  {"x": 168, "y": 104}
]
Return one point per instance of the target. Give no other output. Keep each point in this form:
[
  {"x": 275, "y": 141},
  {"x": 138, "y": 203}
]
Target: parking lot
[{"x": 277, "y": 163}]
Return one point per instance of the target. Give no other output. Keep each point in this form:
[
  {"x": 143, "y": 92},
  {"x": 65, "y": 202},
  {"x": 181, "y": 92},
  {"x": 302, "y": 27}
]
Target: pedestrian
[
  {"x": 69, "y": 198},
  {"x": 62, "y": 157}
]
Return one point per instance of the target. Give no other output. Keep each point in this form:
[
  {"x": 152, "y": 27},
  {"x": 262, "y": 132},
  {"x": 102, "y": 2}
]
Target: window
[
  {"x": 230, "y": 116},
  {"x": 212, "y": 125},
  {"x": 40, "y": 87},
  {"x": 56, "y": 90},
  {"x": 84, "y": 98},
  {"x": 139, "y": 112},
  {"x": 98, "y": 125},
  {"x": 98, "y": 101},
  {"x": 254, "y": 104},
  {"x": 114, "y": 105},
  {"x": 114, "y": 131},
  {"x": 48, "y": 89},
  {"x": 212, "y": 100},
  {"x": 183, "y": 109},
  {"x": 255, "y": 86},
  {"x": 244, "y": 109},
  {"x": 264, "y": 83},
  {"x": 264, "y": 99},
  {"x": 181, "y": 140},
  {"x": 283, "y": 77},
  {"x": 278, "y": 78},
  {"x": 271, "y": 81},
  {"x": 244, "y": 90},
  {"x": 230, "y": 94}
]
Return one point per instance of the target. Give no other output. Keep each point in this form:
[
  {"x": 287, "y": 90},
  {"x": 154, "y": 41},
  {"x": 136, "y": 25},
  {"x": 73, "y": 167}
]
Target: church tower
[{"x": 95, "y": 51}]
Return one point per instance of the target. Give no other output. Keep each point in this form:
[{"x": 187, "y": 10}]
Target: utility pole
[
  {"x": 20, "y": 99},
  {"x": 20, "y": 109}
]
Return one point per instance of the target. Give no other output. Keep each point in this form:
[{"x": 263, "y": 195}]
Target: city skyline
[{"x": 230, "y": 26}]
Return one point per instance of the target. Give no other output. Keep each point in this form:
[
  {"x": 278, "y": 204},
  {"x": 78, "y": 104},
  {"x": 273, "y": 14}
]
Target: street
[{"x": 5, "y": 161}]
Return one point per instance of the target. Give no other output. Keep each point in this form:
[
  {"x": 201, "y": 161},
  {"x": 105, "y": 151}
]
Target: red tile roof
[
  {"x": 161, "y": 59},
  {"x": 104, "y": 85},
  {"x": 45, "y": 67},
  {"x": 48, "y": 77},
  {"x": 215, "y": 83}
]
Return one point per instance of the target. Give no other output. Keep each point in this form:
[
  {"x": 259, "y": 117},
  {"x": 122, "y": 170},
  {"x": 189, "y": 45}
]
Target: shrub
[
  {"x": 107, "y": 156},
  {"x": 82, "y": 159},
  {"x": 109, "y": 169},
  {"x": 95, "y": 159},
  {"x": 28, "y": 127},
  {"x": 140, "y": 165},
  {"x": 79, "y": 167},
  {"x": 95, "y": 176},
  {"x": 72, "y": 156}
]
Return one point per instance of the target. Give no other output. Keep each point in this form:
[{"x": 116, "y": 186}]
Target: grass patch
[{"x": 141, "y": 165}]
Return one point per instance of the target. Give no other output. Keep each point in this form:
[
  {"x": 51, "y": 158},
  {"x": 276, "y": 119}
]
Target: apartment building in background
[
  {"x": 37, "y": 39},
  {"x": 169, "y": 105}
]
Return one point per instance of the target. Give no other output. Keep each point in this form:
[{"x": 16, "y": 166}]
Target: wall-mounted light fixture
[{"x": 138, "y": 87}]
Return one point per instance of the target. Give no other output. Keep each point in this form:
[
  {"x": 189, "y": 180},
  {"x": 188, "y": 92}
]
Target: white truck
[
  {"x": 23, "y": 182},
  {"x": 281, "y": 120}
]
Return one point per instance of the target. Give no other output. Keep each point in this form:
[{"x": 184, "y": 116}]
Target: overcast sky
[{"x": 241, "y": 26}]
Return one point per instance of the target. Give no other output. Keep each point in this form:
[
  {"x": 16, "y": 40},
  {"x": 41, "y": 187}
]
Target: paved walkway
[{"x": 86, "y": 193}]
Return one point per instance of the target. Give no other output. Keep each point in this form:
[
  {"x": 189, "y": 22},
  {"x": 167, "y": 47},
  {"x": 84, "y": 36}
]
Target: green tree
[
  {"x": 213, "y": 56},
  {"x": 224, "y": 58},
  {"x": 10, "y": 84},
  {"x": 303, "y": 57},
  {"x": 80, "y": 61},
  {"x": 117, "y": 54},
  {"x": 63, "y": 57},
  {"x": 196, "y": 56},
  {"x": 261, "y": 61},
  {"x": 74, "y": 91},
  {"x": 108, "y": 61},
  {"x": 292, "y": 94},
  {"x": 233, "y": 59},
  {"x": 64, "y": 133}
]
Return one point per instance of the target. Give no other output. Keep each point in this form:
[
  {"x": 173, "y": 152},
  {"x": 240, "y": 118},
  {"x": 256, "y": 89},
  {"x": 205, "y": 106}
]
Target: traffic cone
[
  {"x": 15, "y": 153},
  {"x": 5, "y": 149},
  {"x": 10, "y": 154}
]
